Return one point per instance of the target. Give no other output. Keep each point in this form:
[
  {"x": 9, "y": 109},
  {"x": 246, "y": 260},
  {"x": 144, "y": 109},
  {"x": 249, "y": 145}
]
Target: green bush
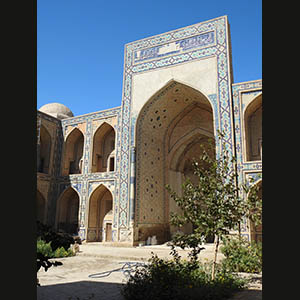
[
  {"x": 62, "y": 252},
  {"x": 241, "y": 255},
  {"x": 176, "y": 279},
  {"x": 46, "y": 233},
  {"x": 45, "y": 249}
]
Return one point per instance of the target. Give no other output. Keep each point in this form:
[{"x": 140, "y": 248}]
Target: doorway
[{"x": 108, "y": 232}]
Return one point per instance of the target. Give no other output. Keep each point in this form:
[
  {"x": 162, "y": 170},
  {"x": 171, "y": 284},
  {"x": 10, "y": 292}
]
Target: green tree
[
  {"x": 253, "y": 202},
  {"x": 212, "y": 205}
]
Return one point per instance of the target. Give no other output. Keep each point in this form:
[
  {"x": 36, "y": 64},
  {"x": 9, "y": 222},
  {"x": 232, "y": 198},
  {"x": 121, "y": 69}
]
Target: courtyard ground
[{"x": 82, "y": 277}]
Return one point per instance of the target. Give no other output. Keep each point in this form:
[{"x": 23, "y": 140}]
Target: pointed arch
[
  {"x": 67, "y": 216},
  {"x": 100, "y": 206},
  {"x": 73, "y": 152},
  {"x": 103, "y": 149},
  {"x": 177, "y": 88},
  {"x": 253, "y": 129},
  {"x": 44, "y": 150},
  {"x": 169, "y": 129}
]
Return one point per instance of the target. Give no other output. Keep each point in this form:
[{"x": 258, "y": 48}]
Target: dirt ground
[{"x": 95, "y": 273}]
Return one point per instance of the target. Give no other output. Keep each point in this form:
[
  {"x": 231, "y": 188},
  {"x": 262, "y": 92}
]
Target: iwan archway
[
  {"x": 100, "y": 215},
  {"x": 170, "y": 130}
]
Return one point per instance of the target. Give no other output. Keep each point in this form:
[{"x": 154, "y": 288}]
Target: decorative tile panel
[
  {"x": 194, "y": 42},
  {"x": 253, "y": 88}
]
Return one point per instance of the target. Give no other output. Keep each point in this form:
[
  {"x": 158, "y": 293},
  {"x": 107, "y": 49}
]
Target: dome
[{"x": 57, "y": 110}]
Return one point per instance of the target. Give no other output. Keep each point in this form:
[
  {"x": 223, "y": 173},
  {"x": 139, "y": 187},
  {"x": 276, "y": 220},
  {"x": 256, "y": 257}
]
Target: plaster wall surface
[{"x": 201, "y": 75}]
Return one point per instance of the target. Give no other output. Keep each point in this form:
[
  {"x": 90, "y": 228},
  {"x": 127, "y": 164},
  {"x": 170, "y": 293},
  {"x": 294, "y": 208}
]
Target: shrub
[
  {"x": 241, "y": 255},
  {"x": 46, "y": 250},
  {"x": 62, "y": 252},
  {"x": 46, "y": 233},
  {"x": 177, "y": 279}
]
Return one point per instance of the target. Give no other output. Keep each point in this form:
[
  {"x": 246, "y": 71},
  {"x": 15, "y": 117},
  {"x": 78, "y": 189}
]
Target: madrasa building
[{"x": 102, "y": 175}]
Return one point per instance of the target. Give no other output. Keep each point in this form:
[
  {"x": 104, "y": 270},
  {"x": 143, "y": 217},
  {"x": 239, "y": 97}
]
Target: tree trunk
[{"x": 215, "y": 260}]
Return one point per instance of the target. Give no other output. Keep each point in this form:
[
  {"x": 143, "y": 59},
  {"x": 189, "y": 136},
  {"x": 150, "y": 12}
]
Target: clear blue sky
[{"x": 80, "y": 43}]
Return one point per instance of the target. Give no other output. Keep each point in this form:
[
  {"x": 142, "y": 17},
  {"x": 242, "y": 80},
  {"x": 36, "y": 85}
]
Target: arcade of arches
[
  {"x": 100, "y": 213},
  {"x": 171, "y": 128}
]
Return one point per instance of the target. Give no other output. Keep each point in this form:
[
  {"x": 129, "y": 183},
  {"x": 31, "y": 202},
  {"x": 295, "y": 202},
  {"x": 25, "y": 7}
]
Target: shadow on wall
[{"x": 82, "y": 290}]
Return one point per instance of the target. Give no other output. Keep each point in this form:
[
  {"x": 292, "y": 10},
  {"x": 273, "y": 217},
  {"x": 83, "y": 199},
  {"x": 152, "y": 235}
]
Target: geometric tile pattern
[
  {"x": 205, "y": 39},
  {"x": 246, "y": 169},
  {"x": 253, "y": 88}
]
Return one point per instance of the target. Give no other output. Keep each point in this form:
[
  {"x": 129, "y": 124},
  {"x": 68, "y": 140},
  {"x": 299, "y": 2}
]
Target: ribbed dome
[{"x": 57, "y": 110}]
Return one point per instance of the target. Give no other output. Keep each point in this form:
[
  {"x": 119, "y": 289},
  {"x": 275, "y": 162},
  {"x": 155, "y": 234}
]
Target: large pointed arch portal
[
  {"x": 198, "y": 55},
  {"x": 169, "y": 131}
]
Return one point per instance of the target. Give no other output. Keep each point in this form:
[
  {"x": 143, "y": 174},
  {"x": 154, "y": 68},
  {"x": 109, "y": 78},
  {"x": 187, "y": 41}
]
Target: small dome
[{"x": 57, "y": 110}]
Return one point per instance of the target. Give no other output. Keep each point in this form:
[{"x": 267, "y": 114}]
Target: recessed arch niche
[
  {"x": 103, "y": 149},
  {"x": 170, "y": 128},
  {"x": 100, "y": 210},
  {"x": 67, "y": 211},
  {"x": 73, "y": 152},
  {"x": 44, "y": 151},
  {"x": 253, "y": 129}
]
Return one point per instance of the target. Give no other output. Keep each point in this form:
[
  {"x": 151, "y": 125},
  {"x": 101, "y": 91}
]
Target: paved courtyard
[{"x": 88, "y": 274}]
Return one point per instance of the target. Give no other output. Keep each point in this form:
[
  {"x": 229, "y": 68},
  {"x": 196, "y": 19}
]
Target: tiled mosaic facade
[
  {"x": 244, "y": 95},
  {"x": 205, "y": 44}
]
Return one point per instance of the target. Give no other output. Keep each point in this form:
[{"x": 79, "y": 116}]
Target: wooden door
[{"x": 108, "y": 232}]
